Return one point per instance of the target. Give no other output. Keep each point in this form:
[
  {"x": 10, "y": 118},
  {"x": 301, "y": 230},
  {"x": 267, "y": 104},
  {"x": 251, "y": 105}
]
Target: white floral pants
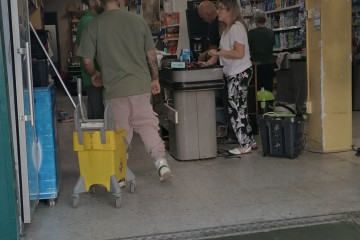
[{"x": 237, "y": 86}]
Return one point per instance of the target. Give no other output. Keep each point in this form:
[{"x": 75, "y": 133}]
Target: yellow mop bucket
[
  {"x": 97, "y": 161},
  {"x": 101, "y": 152}
]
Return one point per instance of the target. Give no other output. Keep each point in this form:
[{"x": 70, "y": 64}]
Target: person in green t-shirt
[
  {"x": 261, "y": 43},
  {"x": 95, "y": 105},
  {"x": 122, "y": 44}
]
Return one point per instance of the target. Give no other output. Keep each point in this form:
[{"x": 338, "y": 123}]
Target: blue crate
[
  {"x": 32, "y": 151},
  {"x": 45, "y": 120}
]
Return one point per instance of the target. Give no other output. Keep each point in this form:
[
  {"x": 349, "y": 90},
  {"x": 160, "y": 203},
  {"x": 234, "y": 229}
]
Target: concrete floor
[{"x": 206, "y": 194}]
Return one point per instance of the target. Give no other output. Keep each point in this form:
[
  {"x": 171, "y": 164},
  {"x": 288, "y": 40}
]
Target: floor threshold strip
[{"x": 242, "y": 229}]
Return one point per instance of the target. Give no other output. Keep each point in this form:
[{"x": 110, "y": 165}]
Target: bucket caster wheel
[
  {"x": 117, "y": 201},
  {"x": 132, "y": 186},
  {"x": 51, "y": 202},
  {"x": 75, "y": 202},
  {"x": 92, "y": 189}
]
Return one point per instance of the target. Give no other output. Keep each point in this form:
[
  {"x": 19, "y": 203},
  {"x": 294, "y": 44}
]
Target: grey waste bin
[{"x": 190, "y": 95}]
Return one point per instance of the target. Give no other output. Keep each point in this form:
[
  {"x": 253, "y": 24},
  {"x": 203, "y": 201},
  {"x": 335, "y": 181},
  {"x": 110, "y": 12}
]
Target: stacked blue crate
[
  {"x": 32, "y": 151},
  {"x": 46, "y": 128}
]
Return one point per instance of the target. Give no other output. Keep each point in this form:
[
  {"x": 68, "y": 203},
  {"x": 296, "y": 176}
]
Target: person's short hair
[
  {"x": 260, "y": 17},
  {"x": 104, "y": 2}
]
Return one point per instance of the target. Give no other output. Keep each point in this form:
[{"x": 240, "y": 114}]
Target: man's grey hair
[{"x": 259, "y": 17}]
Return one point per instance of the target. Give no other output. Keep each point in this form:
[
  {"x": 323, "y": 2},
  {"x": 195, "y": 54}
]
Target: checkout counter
[{"x": 189, "y": 110}]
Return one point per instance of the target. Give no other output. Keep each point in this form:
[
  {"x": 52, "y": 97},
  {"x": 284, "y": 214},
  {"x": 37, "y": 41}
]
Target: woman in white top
[{"x": 234, "y": 55}]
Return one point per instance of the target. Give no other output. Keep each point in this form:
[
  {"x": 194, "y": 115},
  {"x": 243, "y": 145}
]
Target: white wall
[{"x": 181, "y": 6}]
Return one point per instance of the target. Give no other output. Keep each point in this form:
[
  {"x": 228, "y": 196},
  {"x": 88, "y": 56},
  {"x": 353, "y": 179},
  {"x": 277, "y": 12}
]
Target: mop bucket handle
[{"x": 79, "y": 90}]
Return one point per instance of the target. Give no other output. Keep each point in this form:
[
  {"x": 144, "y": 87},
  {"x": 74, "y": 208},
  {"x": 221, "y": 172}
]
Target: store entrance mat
[
  {"x": 330, "y": 231},
  {"x": 341, "y": 226}
]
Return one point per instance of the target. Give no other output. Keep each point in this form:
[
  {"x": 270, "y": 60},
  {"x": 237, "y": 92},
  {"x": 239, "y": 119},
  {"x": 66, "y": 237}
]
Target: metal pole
[{"x": 52, "y": 64}]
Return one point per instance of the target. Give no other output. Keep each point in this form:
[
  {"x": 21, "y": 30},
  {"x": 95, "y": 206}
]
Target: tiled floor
[{"x": 201, "y": 194}]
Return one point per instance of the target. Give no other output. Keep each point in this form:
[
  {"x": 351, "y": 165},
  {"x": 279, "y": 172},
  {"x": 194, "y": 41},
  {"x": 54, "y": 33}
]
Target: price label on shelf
[{"x": 317, "y": 23}]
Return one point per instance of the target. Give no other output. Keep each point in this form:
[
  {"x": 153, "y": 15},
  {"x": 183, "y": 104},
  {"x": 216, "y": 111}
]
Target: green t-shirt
[
  {"x": 119, "y": 40},
  {"x": 83, "y": 22},
  {"x": 261, "y": 43}
]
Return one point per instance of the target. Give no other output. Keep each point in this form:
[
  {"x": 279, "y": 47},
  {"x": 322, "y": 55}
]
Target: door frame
[
  {"x": 10, "y": 217},
  {"x": 21, "y": 119}
]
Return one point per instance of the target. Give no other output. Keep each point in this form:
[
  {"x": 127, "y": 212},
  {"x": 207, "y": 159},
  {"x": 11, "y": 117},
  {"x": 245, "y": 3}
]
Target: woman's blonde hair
[{"x": 235, "y": 11}]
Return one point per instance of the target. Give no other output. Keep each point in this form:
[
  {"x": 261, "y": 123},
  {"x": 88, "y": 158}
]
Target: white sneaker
[
  {"x": 254, "y": 146},
  {"x": 163, "y": 169}
]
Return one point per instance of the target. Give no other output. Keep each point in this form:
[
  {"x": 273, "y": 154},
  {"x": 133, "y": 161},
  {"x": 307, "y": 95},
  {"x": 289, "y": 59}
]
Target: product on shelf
[
  {"x": 270, "y": 5},
  {"x": 171, "y": 19},
  {"x": 287, "y": 20},
  {"x": 172, "y": 46},
  {"x": 170, "y": 25},
  {"x": 172, "y": 32}
]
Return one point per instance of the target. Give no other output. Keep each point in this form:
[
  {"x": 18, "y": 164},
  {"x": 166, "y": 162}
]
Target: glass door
[{"x": 28, "y": 148}]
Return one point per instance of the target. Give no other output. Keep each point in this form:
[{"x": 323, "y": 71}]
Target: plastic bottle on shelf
[
  {"x": 286, "y": 40},
  {"x": 302, "y": 5},
  {"x": 291, "y": 39},
  {"x": 295, "y": 18},
  {"x": 282, "y": 42},
  {"x": 166, "y": 50},
  {"x": 286, "y": 19},
  {"x": 277, "y": 40},
  {"x": 138, "y": 6},
  {"x": 69, "y": 58},
  {"x": 268, "y": 22},
  {"x": 266, "y": 6},
  {"x": 282, "y": 20},
  {"x": 277, "y": 4}
]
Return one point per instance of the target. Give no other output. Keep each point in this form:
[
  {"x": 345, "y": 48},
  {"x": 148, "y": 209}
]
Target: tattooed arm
[
  {"x": 154, "y": 72},
  {"x": 90, "y": 69}
]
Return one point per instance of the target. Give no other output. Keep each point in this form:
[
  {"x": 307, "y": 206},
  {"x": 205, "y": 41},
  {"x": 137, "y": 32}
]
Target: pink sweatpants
[{"x": 135, "y": 113}]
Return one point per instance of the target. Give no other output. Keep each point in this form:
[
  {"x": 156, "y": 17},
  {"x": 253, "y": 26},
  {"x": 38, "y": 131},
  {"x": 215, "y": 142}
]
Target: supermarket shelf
[
  {"x": 283, "y": 9},
  {"x": 284, "y": 49},
  {"x": 171, "y": 39},
  {"x": 247, "y": 15},
  {"x": 285, "y": 28},
  {"x": 171, "y": 25}
]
